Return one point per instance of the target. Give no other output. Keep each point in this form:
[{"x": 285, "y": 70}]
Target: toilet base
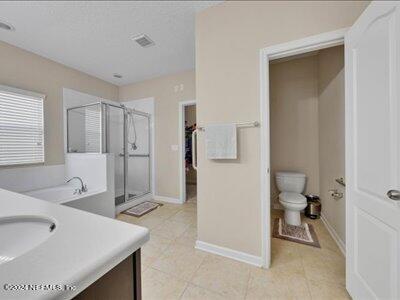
[{"x": 292, "y": 217}]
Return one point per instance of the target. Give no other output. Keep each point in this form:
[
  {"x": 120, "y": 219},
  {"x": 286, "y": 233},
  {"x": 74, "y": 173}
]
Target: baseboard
[
  {"x": 167, "y": 199},
  {"x": 334, "y": 235},
  {"x": 229, "y": 253}
]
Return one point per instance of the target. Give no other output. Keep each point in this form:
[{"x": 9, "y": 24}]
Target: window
[{"x": 21, "y": 127}]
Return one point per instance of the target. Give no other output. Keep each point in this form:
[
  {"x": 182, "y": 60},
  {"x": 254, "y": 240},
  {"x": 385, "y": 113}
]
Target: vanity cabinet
[{"x": 123, "y": 282}]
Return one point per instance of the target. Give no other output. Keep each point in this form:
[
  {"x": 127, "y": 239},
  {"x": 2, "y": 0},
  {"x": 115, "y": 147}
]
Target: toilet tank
[{"x": 290, "y": 181}]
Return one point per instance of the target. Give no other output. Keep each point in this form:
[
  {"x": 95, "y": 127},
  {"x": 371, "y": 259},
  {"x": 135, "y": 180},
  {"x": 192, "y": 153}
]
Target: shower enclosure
[{"x": 103, "y": 127}]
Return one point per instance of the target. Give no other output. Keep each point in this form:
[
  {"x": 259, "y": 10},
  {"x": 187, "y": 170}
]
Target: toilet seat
[{"x": 292, "y": 198}]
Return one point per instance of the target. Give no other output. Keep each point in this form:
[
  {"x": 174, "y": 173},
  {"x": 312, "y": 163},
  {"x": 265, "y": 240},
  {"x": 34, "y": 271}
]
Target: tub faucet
[{"x": 83, "y": 188}]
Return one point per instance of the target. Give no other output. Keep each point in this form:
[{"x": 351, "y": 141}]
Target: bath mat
[
  {"x": 303, "y": 234},
  {"x": 142, "y": 208}
]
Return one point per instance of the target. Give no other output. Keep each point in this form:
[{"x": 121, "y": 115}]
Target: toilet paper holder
[{"x": 336, "y": 194}]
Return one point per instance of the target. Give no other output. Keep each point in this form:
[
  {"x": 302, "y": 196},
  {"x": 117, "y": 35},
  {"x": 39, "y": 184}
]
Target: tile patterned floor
[{"x": 173, "y": 269}]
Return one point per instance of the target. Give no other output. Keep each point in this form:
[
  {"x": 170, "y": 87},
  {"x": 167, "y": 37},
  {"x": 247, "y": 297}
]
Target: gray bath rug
[
  {"x": 142, "y": 208},
  {"x": 303, "y": 234}
]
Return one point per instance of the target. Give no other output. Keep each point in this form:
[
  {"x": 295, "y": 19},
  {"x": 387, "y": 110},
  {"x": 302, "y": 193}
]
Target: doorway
[
  {"x": 307, "y": 153},
  {"x": 267, "y": 55},
  {"x": 187, "y": 153}
]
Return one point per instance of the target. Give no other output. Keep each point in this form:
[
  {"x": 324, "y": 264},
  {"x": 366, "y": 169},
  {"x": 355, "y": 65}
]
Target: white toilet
[{"x": 291, "y": 185}]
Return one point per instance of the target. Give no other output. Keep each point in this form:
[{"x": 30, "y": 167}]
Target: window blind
[
  {"x": 21, "y": 127},
  {"x": 92, "y": 128}
]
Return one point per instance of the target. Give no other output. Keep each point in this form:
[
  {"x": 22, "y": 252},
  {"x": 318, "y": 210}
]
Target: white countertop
[{"x": 83, "y": 248}]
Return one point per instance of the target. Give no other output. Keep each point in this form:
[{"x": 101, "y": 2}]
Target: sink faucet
[{"x": 83, "y": 188}]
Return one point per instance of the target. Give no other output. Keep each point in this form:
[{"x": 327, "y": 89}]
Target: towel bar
[{"x": 243, "y": 124}]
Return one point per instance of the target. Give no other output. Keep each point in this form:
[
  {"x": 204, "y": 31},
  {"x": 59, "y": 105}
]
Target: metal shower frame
[{"x": 104, "y": 133}]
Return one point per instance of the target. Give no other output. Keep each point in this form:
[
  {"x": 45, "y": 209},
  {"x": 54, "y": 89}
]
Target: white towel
[{"x": 221, "y": 141}]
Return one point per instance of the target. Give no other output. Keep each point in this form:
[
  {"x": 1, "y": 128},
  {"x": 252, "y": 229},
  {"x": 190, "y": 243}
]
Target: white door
[{"x": 373, "y": 153}]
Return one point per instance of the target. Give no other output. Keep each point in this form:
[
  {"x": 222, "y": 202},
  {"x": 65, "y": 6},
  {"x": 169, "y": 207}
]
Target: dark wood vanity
[{"x": 123, "y": 282}]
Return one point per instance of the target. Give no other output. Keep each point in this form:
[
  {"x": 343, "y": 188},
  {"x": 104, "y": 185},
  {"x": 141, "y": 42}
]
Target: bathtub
[
  {"x": 60, "y": 194},
  {"x": 98, "y": 201}
]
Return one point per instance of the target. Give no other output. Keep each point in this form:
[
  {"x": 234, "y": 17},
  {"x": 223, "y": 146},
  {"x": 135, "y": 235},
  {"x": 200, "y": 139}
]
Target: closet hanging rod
[{"x": 243, "y": 124}]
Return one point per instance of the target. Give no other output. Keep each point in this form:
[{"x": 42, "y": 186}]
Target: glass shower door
[
  {"x": 138, "y": 150},
  {"x": 111, "y": 128},
  {"x": 115, "y": 140},
  {"x": 84, "y": 131}
]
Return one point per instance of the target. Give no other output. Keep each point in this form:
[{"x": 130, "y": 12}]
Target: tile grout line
[
  {"x": 247, "y": 285},
  {"x": 305, "y": 276}
]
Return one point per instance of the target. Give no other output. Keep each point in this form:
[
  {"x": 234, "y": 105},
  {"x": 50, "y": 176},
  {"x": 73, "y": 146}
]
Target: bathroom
[
  {"x": 307, "y": 137},
  {"x": 165, "y": 149}
]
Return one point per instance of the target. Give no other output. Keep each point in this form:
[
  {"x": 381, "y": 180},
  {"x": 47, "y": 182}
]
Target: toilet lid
[
  {"x": 289, "y": 174},
  {"x": 292, "y": 197}
]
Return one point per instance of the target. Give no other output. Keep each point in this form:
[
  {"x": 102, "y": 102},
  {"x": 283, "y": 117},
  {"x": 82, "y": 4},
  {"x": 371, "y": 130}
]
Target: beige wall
[
  {"x": 228, "y": 39},
  {"x": 294, "y": 120},
  {"x": 166, "y": 123},
  {"x": 28, "y": 71},
  {"x": 331, "y": 135}
]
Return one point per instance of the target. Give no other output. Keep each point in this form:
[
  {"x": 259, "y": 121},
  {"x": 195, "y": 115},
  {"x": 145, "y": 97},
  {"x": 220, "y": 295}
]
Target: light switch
[{"x": 174, "y": 147}]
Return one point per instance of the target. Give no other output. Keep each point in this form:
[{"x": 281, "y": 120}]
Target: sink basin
[{"x": 20, "y": 234}]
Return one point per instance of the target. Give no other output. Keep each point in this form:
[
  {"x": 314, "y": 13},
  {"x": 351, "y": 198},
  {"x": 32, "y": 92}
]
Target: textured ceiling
[{"x": 95, "y": 37}]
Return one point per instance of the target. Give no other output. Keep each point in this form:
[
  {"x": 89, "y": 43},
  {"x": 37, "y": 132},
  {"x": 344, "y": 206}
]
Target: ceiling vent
[{"x": 143, "y": 40}]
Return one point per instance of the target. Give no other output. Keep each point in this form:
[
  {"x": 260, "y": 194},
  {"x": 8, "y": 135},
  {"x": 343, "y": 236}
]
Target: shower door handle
[
  {"x": 134, "y": 155},
  {"x": 194, "y": 149}
]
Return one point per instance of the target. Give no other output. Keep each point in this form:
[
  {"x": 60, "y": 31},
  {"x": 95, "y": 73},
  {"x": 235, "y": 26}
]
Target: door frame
[
  {"x": 181, "y": 134},
  {"x": 308, "y": 44}
]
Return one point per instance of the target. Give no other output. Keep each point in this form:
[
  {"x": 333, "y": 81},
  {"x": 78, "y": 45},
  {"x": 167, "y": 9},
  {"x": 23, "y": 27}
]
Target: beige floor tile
[
  {"x": 170, "y": 230},
  {"x": 185, "y": 217},
  {"x": 170, "y": 261},
  {"x": 190, "y": 206},
  {"x": 192, "y": 200},
  {"x": 189, "y": 237},
  {"x": 285, "y": 253},
  {"x": 153, "y": 249},
  {"x": 157, "y": 285},
  {"x": 167, "y": 205},
  {"x": 165, "y": 212},
  {"x": 224, "y": 276},
  {"x": 128, "y": 219},
  {"x": 149, "y": 221},
  {"x": 193, "y": 292},
  {"x": 327, "y": 291},
  {"x": 144, "y": 266},
  {"x": 180, "y": 261},
  {"x": 323, "y": 265},
  {"x": 278, "y": 283},
  {"x": 325, "y": 239}
]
